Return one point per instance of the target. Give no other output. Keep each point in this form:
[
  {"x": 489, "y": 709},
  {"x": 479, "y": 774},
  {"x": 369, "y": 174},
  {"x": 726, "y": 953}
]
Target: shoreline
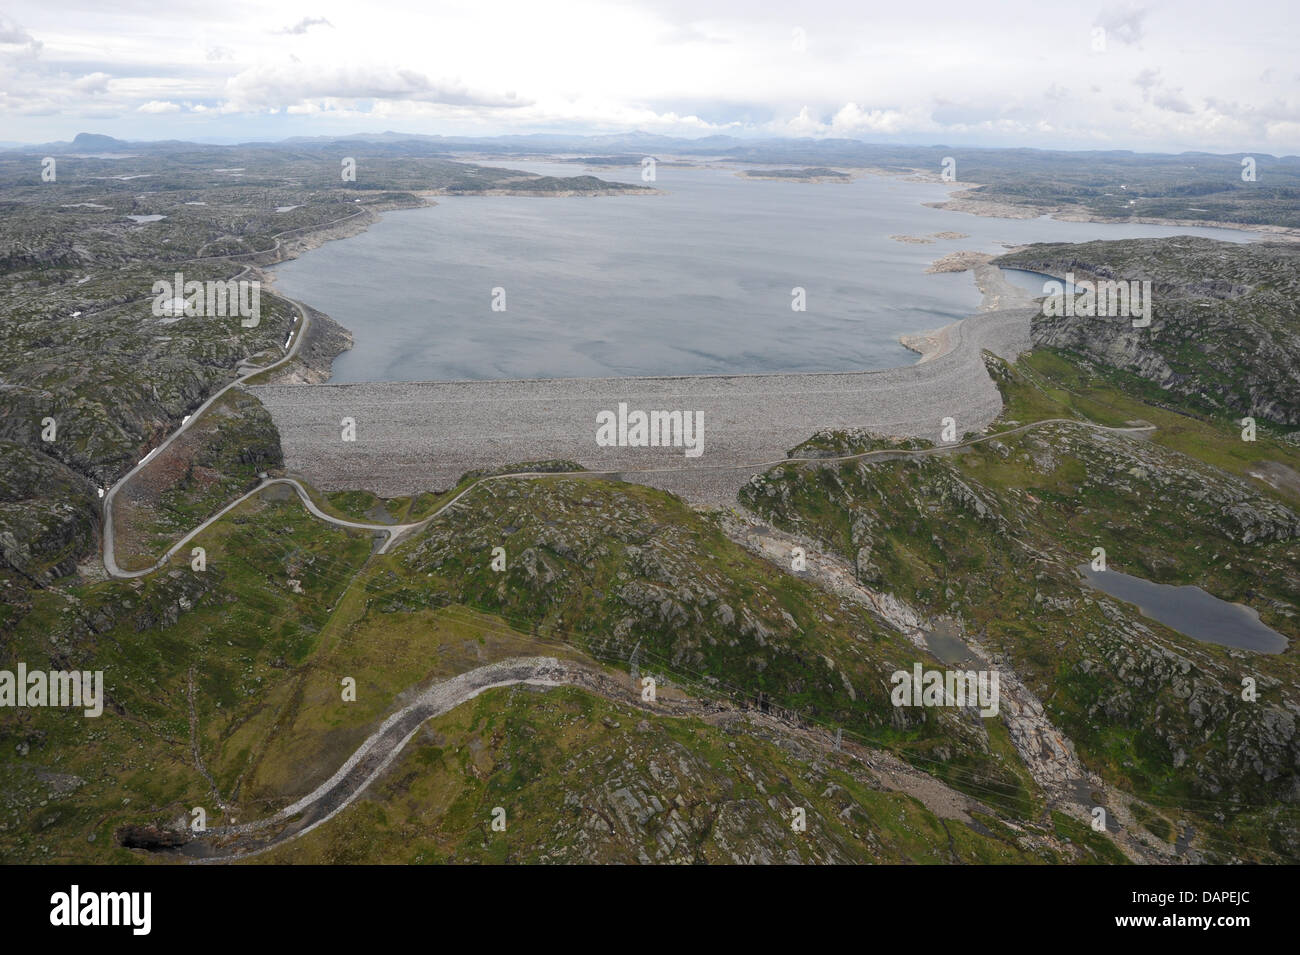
[
  {"x": 418, "y": 436},
  {"x": 996, "y": 294},
  {"x": 533, "y": 194},
  {"x": 422, "y": 435},
  {"x": 928, "y": 344},
  {"x": 321, "y": 370},
  {"x": 993, "y": 209}
]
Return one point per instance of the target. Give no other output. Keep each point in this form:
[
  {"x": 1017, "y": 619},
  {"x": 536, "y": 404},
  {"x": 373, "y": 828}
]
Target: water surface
[
  {"x": 1191, "y": 611},
  {"x": 695, "y": 281},
  {"x": 945, "y": 642}
]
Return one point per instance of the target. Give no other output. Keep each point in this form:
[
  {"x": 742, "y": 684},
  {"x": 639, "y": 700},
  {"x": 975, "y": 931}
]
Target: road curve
[
  {"x": 402, "y": 530},
  {"x": 243, "y": 370},
  {"x": 396, "y": 532},
  {"x": 392, "y": 529},
  {"x": 381, "y": 747},
  {"x": 110, "y": 555}
]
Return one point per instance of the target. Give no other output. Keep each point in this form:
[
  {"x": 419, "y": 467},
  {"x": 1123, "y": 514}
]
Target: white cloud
[
  {"x": 871, "y": 69},
  {"x": 16, "y": 41},
  {"x": 1172, "y": 101},
  {"x": 1123, "y": 23},
  {"x": 1147, "y": 79},
  {"x": 305, "y": 24},
  {"x": 92, "y": 83},
  {"x": 285, "y": 85},
  {"x": 852, "y": 118}
]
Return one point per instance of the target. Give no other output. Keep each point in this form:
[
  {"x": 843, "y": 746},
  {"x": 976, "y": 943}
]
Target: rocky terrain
[
  {"x": 991, "y": 538},
  {"x": 1225, "y": 329},
  {"x": 223, "y": 684},
  {"x": 237, "y": 708},
  {"x": 79, "y": 344}
]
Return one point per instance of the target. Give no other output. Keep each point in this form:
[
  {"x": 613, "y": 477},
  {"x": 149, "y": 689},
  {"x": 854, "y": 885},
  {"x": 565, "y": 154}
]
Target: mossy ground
[
  {"x": 288, "y": 606},
  {"x": 584, "y": 779},
  {"x": 991, "y": 534}
]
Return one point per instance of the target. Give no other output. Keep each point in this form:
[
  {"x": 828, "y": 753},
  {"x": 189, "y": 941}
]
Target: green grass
[
  {"x": 1052, "y": 384},
  {"x": 1047, "y": 498},
  {"x": 536, "y": 756}
]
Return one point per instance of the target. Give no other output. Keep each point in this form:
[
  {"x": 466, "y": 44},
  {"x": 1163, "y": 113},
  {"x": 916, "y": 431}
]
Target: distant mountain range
[
  {"x": 844, "y": 150},
  {"x": 1113, "y": 185}
]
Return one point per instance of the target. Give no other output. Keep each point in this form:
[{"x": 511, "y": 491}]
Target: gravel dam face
[{"x": 420, "y": 436}]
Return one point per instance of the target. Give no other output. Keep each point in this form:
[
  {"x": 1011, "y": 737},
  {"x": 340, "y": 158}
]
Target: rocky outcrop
[
  {"x": 1225, "y": 324},
  {"x": 949, "y": 536},
  {"x": 48, "y": 514}
]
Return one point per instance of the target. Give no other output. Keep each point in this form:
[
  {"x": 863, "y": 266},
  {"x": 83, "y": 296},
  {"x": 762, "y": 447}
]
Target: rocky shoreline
[{"x": 967, "y": 201}]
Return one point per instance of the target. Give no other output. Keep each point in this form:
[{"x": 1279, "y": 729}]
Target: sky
[{"x": 1162, "y": 76}]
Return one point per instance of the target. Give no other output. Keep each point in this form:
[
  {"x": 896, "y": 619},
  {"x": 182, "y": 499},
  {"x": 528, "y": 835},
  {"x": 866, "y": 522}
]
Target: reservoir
[
  {"x": 695, "y": 281},
  {"x": 1033, "y": 282},
  {"x": 1191, "y": 611}
]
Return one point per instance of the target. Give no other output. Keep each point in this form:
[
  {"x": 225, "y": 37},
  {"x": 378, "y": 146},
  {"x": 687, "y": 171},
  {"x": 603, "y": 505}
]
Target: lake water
[
  {"x": 1190, "y": 611},
  {"x": 695, "y": 281},
  {"x": 945, "y": 642},
  {"x": 1033, "y": 282}
]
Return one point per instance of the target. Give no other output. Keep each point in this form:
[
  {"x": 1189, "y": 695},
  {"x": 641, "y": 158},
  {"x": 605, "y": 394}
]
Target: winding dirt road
[
  {"x": 244, "y": 373},
  {"x": 382, "y": 747},
  {"x": 395, "y": 532}
]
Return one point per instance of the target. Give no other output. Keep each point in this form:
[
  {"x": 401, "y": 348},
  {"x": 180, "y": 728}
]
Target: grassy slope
[
  {"x": 991, "y": 534},
  {"x": 585, "y": 779},
  {"x": 266, "y": 661}
]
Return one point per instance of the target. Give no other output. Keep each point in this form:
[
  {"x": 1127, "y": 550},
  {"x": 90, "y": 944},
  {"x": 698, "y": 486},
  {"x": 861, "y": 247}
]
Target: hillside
[{"x": 1224, "y": 336}]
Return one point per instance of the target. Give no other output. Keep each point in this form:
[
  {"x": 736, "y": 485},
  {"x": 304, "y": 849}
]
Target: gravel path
[
  {"x": 374, "y": 755},
  {"x": 370, "y": 760},
  {"x": 244, "y": 371}
]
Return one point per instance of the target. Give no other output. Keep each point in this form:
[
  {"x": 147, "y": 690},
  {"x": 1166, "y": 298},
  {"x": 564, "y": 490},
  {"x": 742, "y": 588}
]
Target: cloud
[
  {"x": 15, "y": 41},
  {"x": 851, "y": 120},
  {"x": 279, "y": 86},
  {"x": 1147, "y": 78},
  {"x": 92, "y": 83},
  {"x": 1146, "y": 81},
  {"x": 305, "y": 24},
  {"x": 1171, "y": 99},
  {"x": 805, "y": 125},
  {"x": 1173, "y": 102},
  {"x": 676, "y": 66},
  {"x": 1123, "y": 23}
]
